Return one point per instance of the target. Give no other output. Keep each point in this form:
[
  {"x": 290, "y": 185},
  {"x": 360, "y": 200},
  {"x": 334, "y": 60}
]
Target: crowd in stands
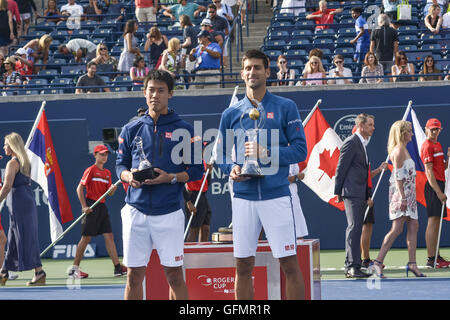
[
  {"x": 101, "y": 44},
  {"x": 113, "y": 44}
]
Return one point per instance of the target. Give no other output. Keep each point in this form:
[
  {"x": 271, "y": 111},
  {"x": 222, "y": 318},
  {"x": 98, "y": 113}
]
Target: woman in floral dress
[{"x": 402, "y": 198}]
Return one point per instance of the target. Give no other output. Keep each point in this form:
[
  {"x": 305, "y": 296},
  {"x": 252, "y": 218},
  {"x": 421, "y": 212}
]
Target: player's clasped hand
[
  {"x": 163, "y": 177},
  {"x": 235, "y": 174}
]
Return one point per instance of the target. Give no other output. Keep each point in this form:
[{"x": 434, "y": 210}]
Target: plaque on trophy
[
  {"x": 256, "y": 115},
  {"x": 145, "y": 169}
]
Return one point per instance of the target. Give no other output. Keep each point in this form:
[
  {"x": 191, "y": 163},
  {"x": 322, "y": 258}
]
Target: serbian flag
[
  {"x": 45, "y": 171},
  {"x": 414, "y": 150},
  {"x": 323, "y": 154}
]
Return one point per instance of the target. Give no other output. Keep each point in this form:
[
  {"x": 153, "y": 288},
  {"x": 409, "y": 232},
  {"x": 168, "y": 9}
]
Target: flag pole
[
  {"x": 387, "y": 159},
  {"x": 30, "y": 137},
  {"x": 311, "y": 112},
  {"x": 440, "y": 222},
  {"x": 211, "y": 161},
  {"x": 76, "y": 221}
]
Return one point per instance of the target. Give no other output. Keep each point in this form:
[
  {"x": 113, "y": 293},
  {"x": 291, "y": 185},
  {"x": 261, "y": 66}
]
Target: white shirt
[
  {"x": 75, "y": 10},
  {"x": 365, "y": 142},
  {"x": 75, "y": 44},
  {"x": 347, "y": 73},
  {"x": 229, "y": 2},
  {"x": 446, "y": 20}
]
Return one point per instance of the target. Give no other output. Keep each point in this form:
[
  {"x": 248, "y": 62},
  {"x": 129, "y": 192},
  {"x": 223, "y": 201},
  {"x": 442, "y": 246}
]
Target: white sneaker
[{"x": 12, "y": 276}]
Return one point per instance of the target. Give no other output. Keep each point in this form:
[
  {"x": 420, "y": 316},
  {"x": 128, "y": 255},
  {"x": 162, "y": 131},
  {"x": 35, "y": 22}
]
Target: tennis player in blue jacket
[
  {"x": 152, "y": 216},
  {"x": 263, "y": 202}
]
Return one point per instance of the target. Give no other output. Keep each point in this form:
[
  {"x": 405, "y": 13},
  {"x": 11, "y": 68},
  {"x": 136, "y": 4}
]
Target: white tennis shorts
[
  {"x": 142, "y": 233},
  {"x": 275, "y": 216}
]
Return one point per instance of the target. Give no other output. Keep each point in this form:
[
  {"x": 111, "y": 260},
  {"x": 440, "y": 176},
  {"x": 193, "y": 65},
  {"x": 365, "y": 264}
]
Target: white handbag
[{"x": 404, "y": 10}]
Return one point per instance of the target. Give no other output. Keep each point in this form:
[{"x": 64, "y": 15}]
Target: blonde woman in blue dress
[{"x": 402, "y": 198}]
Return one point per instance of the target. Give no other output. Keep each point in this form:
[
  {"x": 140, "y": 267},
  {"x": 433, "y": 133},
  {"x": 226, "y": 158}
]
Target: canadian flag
[{"x": 323, "y": 155}]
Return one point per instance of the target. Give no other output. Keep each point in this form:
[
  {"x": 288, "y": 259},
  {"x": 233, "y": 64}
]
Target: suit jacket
[{"x": 352, "y": 170}]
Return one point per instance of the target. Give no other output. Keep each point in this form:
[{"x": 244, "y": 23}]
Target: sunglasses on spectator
[
  {"x": 211, "y": 12},
  {"x": 314, "y": 62},
  {"x": 429, "y": 60},
  {"x": 103, "y": 48},
  {"x": 282, "y": 61},
  {"x": 338, "y": 61}
]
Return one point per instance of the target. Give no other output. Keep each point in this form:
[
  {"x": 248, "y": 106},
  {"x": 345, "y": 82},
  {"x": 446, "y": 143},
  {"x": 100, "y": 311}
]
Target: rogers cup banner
[
  {"x": 323, "y": 154},
  {"x": 45, "y": 171}
]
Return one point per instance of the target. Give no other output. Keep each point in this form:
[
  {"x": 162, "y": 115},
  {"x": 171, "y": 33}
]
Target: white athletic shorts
[
  {"x": 275, "y": 216},
  {"x": 141, "y": 233}
]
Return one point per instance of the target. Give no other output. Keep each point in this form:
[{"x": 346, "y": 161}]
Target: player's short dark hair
[
  {"x": 160, "y": 75},
  {"x": 256, "y": 54}
]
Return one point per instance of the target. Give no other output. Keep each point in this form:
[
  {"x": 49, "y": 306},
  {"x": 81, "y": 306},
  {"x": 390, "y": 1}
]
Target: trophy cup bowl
[
  {"x": 251, "y": 168},
  {"x": 145, "y": 170}
]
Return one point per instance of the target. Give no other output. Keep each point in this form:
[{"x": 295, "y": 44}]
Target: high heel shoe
[
  {"x": 3, "y": 278},
  {"x": 377, "y": 267},
  {"x": 39, "y": 279},
  {"x": 416, "y": 273}
]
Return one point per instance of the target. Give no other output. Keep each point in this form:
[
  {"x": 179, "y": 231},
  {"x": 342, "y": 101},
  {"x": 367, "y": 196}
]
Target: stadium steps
[{"x": 257, "y": 32}]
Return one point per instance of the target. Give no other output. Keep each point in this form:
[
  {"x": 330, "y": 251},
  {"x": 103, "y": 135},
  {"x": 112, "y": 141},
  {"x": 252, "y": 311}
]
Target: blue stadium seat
[
  {"x": 273, "y": 54},
  {"x": 283, "y": 25},
  {"x": 27, "y": 92},
  {"x": 324, "y": 43},
  {"x": 295, "y": 64},
  {"x": 300, "y": 44},
  {"x": 281, "y": 17},
  {"x": 405, "y": 39},
  {"x": 346, "y": 32},
  {"x": 80, "y": 33},
  {"x": 324, "y": 33},
  {"x": 37, "y": 82},
  {"x": 48, "y": 74},
  {"x": 279, "y": 35},
  {"x": 52, "y": 91},
  {"x": 301, "y": 34},
  {"x": 46, "y": 26},
  {"x": 120, "y": 88},
  {"x": 409, "y": 29},
  {"x": 343, "y": 42},
  {"x": 295, "y": 54},
  {"x": 305, "y": 25},
  {"x": 435, "y": 48},
  {"x": 407, "y": 47},
  {"x": 72, "y": 70},
  {"x": 345, "y": 51},
  {"x": 60, "y": 35},
  {"x": 116, "y": 51},
  {"x": 430, "y": 38},
  {"x": 275, "y": 45}
]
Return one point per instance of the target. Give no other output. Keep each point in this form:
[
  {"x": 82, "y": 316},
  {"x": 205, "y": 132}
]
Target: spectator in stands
[
  {"x": 79, "y": 48},
  {"x": 218, "y": 23},
  {"x": 390, "y": 8},
  {"x": 402, "y": 69},
  {"x": 440, "y": 3},
  {"x": 428, "y": 68},
  {"x": 339, "y": 71},
  {"x": 223, "y": 10},
  {"x": 384, "y": 42},
  {"x": 313, "y": 70},
  {"x": 371, "y": 69},
  {"x": 433, "y": 20},
  {"x": 293, "y": 6},
  {"x": 207, "y": 56},
  {"x": 216, "y": 36},
  {"x": 104, "y": 62},
  {"x": 130, "y": 50},
  {"x": 324, "y": 17},
  {"x": 156, "y": 42},
  {"x": 146, "y": 10},
  {"x": 38, "y": 50},
  {"x": 362, "y": 38},
  {"x": 17, "y": 21},
  {"x": 190, "y": 9},
  {"x": 11, "y": 77},
  {"x": 139, "y": 71},
  {"x": 447, "y": 77},
  {"x": 6, "y": 27},
  {"x": 116, "y": 11},
  {"x": 90, "y": 79},
  {"x": 171, "y": 59},
  {"x": 284, "y": 73},
  {"x": 52, "y": 13},
  {"x": 26, "y": 8},
  {"x": 2, "y": 67},
  {"x": 74, "y": 12},
  {"x": 316, "y": 52},
  {"x": 93, "y": 11},
  {"x": 446, "y": 20},
  {"x": 23, "y": 66},
  {"x": 189, "y": 41}
]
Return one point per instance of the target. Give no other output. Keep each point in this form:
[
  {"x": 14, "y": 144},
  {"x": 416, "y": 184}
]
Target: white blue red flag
[
  {"x": 414, "y": 150},
  {"x": 45, "y": 171}
]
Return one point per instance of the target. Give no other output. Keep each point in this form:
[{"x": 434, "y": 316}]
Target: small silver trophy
[
  {"x": 251, "y": 166},
  {"x": 145, "y": 168}
]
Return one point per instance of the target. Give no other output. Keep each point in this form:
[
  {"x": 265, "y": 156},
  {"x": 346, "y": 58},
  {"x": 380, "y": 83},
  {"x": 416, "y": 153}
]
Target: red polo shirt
[
  {"x": 432, "y": 153},
  {"x": 96, "y": 181}
]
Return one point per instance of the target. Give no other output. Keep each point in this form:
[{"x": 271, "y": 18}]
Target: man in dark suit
[{"x": 351, "y": 186}]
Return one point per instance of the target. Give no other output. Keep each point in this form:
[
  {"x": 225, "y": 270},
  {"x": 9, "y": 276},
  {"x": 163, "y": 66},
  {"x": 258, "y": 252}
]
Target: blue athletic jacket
[
  {"x": 280, "y": 113},
  {"x": 161, "y": 198}
]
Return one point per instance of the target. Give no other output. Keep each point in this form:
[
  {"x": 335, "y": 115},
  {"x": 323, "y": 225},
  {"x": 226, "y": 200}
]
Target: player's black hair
[{"x": 160, "y": 75}]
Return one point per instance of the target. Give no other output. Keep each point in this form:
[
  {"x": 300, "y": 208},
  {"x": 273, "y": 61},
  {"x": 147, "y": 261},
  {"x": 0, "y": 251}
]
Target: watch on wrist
[{"x": 174, "y": 179}]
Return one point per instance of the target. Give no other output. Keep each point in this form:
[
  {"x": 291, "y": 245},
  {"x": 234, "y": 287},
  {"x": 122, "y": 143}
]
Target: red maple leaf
[{"x": 328, "y": 163}]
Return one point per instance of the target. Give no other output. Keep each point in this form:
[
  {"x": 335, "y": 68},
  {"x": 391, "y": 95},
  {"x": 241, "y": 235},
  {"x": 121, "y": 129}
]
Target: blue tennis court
[{"x": 370, "y": 289}]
